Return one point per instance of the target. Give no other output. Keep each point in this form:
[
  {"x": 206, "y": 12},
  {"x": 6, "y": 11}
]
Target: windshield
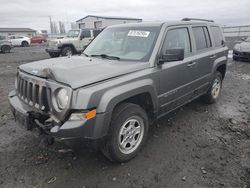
[
  {"x": 248, "y": 39},
  {"x": 73, "y": 33},
  {"x": 125, "y": 43}
]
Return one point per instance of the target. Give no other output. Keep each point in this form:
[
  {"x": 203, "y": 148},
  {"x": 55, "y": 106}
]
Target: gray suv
[{"x": 128, "y": 76}]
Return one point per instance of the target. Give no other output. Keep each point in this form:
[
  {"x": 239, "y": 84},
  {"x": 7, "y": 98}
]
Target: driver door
[
  {"x": 177, "y": 77},
  {"x": 85, "y": 39}
]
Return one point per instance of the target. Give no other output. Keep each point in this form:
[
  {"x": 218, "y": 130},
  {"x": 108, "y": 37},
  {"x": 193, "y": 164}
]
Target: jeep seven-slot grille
[{"x": 34, "y": 94}]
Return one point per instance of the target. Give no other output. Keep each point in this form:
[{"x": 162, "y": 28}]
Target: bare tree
[
  {"x": 55, "y": 28},
  {"x": 62, "y": 27},
  {"x": 73, "y": 25}
]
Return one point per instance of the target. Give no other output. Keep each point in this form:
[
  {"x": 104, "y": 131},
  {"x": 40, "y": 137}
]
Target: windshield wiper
[
  {"x": 106, "y": 56},
  {"x": 85, "y": 54}
]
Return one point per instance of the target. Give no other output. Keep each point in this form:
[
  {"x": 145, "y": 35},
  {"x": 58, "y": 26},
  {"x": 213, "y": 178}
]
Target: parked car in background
[
  {"x": 18, "y": 40},
  {"x": 38, "y": 39},
  {"x": 5, "y": 45},
  {"x": 129, "y": 76},
  {"x": 75, "y": 42},
  {"x": 242, "y": 51}
]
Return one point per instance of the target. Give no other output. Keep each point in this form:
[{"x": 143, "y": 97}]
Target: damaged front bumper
[{"x": 85, "y": 132}]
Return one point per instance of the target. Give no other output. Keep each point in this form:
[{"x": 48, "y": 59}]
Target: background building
[
  {"x": 17, "y": 31},
  {"x": 92, "y": 21}
]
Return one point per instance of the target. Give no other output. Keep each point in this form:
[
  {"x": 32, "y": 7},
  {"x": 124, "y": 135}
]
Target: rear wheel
[
  {"x": 5, "y": 49},
  {"x": 128, "y": 132},
  {"x": 67, "y": 51},
  {"x": 214, "y": 91},
  {"x": 25, "y": 44}
]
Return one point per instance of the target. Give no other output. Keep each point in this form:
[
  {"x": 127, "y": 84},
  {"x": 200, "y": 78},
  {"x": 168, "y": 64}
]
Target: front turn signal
[{"x": 90, "y": 114}]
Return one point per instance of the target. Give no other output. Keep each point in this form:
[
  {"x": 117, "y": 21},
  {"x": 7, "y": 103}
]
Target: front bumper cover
[
  {"x": 53, "y": 50},
  {"x": 241, "y": 55},
  {"x": 88, "y": 129}
]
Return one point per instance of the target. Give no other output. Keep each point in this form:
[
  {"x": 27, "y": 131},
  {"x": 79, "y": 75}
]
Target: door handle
[
  {"x": 213, "y": 56},
  {"x": 191, "y": 64}
]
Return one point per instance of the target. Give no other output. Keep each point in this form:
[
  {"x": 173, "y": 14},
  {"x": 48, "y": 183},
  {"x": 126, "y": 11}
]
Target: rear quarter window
[{"x": 217, "y": 35}]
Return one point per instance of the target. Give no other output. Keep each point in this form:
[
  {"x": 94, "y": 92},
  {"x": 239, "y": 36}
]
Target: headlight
[
  {"x": 58, "y": 43},
  {"x": 237, "y": 47},
  {"x": 62, "y": 98}
]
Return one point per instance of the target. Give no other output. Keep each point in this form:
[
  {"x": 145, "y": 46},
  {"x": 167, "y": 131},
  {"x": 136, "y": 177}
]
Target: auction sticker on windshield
[{"x": 136, "y": 33}]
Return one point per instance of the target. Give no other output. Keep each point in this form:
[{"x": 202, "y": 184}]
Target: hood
[
  {"x": 79, "y": 71},
  {"x": 244, "y": 46}
]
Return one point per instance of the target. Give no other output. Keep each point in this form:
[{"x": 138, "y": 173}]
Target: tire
[
  {"x": 214, "y": 91},
  {"x": 67, "y": 51},
  {"x": 6, "y": 49},
  {"x": 25, "y": 44},
  {"x": 124, "y": 116},
  {"x": 235, "y": 58},
  {"x": 53, "y": 55}
]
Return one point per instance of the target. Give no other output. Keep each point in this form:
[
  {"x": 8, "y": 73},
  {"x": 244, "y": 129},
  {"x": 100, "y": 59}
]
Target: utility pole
[{"x": 51, "y": 25}]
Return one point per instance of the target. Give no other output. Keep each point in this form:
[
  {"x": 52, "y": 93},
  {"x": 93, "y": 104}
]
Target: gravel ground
[{"x": 198, "y": 146}]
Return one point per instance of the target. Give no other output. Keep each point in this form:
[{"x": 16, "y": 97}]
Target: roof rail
[{"x": 197, "y": 19}]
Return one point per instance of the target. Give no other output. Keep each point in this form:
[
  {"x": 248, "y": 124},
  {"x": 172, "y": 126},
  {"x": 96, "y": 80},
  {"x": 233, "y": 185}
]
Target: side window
[
  {"x": 96, "y": 32},
  {"x": 86, "y": 34},
  {"x": 177, "y": 38},
  {"x": 202, "y": 38},
  {"x": 217, "y": 34}
]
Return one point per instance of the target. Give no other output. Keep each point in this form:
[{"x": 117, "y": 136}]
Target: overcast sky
[{"x": 35, "y": 14}]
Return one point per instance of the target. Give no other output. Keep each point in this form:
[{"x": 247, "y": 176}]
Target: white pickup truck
[{"x": 74, "y": 42}]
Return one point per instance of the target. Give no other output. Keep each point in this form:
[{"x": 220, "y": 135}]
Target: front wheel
[
  {"x": 6, "y": 49},
  {"x": 67, "y": 51},
  {"x": 128, "y": 132},
  {"x": 214, "y": 91},
  {"x": 25, "y": 44}
]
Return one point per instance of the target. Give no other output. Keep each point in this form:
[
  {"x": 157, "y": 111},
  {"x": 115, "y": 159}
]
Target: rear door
[
  {"x": 177, "y": 77},
  {"x": 204, "y": 55}
]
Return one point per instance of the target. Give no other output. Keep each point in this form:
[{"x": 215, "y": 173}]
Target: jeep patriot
[{"x": 128, "y": 76}]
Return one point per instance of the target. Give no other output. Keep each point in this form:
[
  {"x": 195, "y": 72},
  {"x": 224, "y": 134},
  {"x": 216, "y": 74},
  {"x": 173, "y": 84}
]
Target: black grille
[{"x": 34, "y": 94}]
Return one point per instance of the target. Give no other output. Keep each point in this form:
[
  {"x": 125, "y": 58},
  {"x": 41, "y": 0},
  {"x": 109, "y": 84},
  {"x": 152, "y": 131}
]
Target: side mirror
[
  {"x": 81, "y": 37},
  {"x": 223, "y": 43},
  {"x": 172, "y": 55},
  {"x": 243, "y": 39}
]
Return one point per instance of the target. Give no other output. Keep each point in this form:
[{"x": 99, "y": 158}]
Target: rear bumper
[
  {"x": 88, "y": 132},
  {"x": 241, "y": 55}
]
